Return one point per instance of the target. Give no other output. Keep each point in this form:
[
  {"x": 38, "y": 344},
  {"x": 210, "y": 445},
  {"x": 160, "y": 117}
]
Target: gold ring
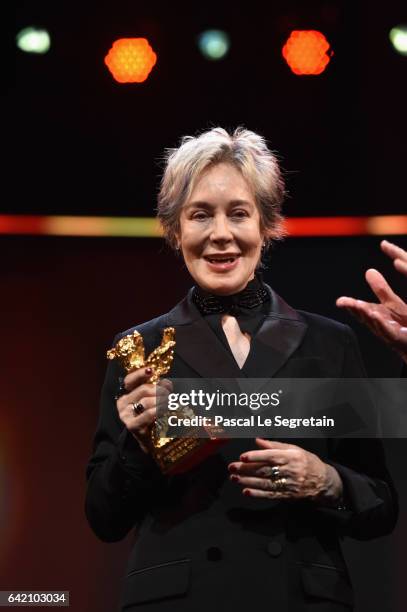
[
  {"x": 277, "y": 485},
  {"x": 281, "y": 482}
]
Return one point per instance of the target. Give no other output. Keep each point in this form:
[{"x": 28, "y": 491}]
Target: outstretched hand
[{"x": 388, "y": 318}]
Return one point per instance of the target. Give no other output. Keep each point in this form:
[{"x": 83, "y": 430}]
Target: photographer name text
[{"x": 250, "y": 421}]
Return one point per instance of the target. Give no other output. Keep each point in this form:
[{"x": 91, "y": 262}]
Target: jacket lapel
[
  {"x": 197, "y": 345},
  {"x": 280, "y": 335}
]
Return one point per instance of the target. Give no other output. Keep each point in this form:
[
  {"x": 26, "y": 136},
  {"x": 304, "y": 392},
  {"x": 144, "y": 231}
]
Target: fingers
[
  {"x": 388, "y": 319},
  {"x": 260, "y": 484},
  {"x": 261, "y": 469},
  {"x": 358, "y": 309},
  {"x": 139, "y": 425},
  {"x": 381, "y": 288},
  {"x": 267, "y": 494},
  {"x": 264, "y": 484},
  {"x": 392, "y": 331},
  {"x": 152, "y": 397},
  {"x": 375, "y": 321},
  {"x": 351, "y": 304},
  {"x": 138, "y": 388},
  {"x": 397, "y": 254},
  {"x": 139, "y": 393},
  {"x": 126, "y": 409},
  {"x": 375, "y": 317},
  {"x": 401, "y": 266},
  {"x": 387, "y": 323},
  {"x": 302, "y": 474},
  {"x": 137, "y": 378},
  {"x": 166, "y": 384},
  {"x": 272, "y": 453},
  {"x": 143, "y": 375},
  {"x": 372, "y": 315},
  {"x": 272, "y": 444},
  {"x": 275, "y": 452},
  {"x": 393, "y": 251},
  {"x": 142, "y": 421},
  {"x": 264, "y": 456}
]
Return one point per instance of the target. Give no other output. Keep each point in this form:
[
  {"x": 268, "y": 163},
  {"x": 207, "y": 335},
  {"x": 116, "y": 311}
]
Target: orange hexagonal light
[
  {"x": 130, "y": 60},
  {"x": 306, "y": 52}
]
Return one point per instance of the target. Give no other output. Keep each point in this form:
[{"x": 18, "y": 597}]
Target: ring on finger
[
  {"x": 277, "y": 485},
  {"x": 280, "y": 484},
  {"x": 137, "y": 409},
  {"x": 275, "y": 472},
  {"x": 272, "y": 473}
]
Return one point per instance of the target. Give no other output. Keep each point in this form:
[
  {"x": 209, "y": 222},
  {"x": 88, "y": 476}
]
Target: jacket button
[
  {"x": 214, "y": 553},
  {"x": 274, "y": 548}
]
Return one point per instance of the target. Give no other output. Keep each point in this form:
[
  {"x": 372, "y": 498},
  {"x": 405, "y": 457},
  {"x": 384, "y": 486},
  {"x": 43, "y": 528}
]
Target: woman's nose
[{"x": 220, "y": 230}]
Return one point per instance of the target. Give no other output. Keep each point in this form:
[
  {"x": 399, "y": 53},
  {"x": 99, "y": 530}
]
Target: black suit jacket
[{"x": 198, "y": 542}]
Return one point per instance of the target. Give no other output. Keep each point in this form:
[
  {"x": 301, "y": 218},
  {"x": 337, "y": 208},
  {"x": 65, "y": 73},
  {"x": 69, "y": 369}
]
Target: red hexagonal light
[
  {"x": 130, "y": 60},
  {"x": 306, "y": 52}
]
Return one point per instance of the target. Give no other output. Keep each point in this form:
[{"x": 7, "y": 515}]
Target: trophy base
[{"x": 182, "y": 454}]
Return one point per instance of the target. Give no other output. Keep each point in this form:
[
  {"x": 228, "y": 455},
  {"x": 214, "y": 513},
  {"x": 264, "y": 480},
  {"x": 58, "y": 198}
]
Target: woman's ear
[
  {"x": 175, "y": 239},
  {"x": 266, "y": 240}
]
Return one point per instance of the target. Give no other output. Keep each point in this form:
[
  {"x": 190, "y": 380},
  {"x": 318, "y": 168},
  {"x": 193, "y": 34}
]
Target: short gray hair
[{"x": 245, "y": 150}]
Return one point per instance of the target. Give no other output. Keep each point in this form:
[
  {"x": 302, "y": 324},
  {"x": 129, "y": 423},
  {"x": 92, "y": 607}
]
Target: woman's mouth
[{"x": 222, "y": 263}]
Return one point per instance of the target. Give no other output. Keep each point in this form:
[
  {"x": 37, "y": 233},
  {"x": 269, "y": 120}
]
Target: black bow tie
[{"x": 252, "y": 296}]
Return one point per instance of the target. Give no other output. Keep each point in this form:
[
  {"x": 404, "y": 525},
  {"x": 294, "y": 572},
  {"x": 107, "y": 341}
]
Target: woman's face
[{"x": 220, "y": 236}]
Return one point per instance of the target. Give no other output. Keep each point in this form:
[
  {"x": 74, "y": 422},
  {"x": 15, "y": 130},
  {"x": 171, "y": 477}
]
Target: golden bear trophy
[{"x": 173, "y": 455}]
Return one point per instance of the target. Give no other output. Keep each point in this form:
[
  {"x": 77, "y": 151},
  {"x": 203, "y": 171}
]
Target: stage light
[
  {"x": 214, "y": 44},
  {"x": 306, "y": 52},
  {"x": 33, "y": 40},
  {"x": 398, "y": 38},
  {"x": 143, "y": 227},
  {"x": 130, "y": 60}
]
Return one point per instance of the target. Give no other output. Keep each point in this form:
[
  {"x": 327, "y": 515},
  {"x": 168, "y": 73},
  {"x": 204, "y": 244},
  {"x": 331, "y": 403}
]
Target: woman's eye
[
  {"x": 240, "y": 213},
  {"x": 199, "y": 216}
]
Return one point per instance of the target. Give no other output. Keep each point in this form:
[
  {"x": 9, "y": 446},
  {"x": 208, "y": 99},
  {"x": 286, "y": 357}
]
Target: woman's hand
[
  {"x": 305, "y": 475},
  {"x": 388, "y": 318},
  {"x": 150, "y": 396},
  {"x": 397, "y": 254}
]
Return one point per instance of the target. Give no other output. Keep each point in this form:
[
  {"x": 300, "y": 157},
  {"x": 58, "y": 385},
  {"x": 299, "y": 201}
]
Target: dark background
[{"x": 87, "y": 145}]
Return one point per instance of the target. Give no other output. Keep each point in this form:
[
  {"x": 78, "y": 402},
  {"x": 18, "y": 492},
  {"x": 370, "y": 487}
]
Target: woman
[{"x": 224, "y": 534}]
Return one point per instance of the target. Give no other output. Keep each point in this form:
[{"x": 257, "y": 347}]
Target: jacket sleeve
[
  {"x": 122, "y": 480},
  {"x": 370, "y": 506}
]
